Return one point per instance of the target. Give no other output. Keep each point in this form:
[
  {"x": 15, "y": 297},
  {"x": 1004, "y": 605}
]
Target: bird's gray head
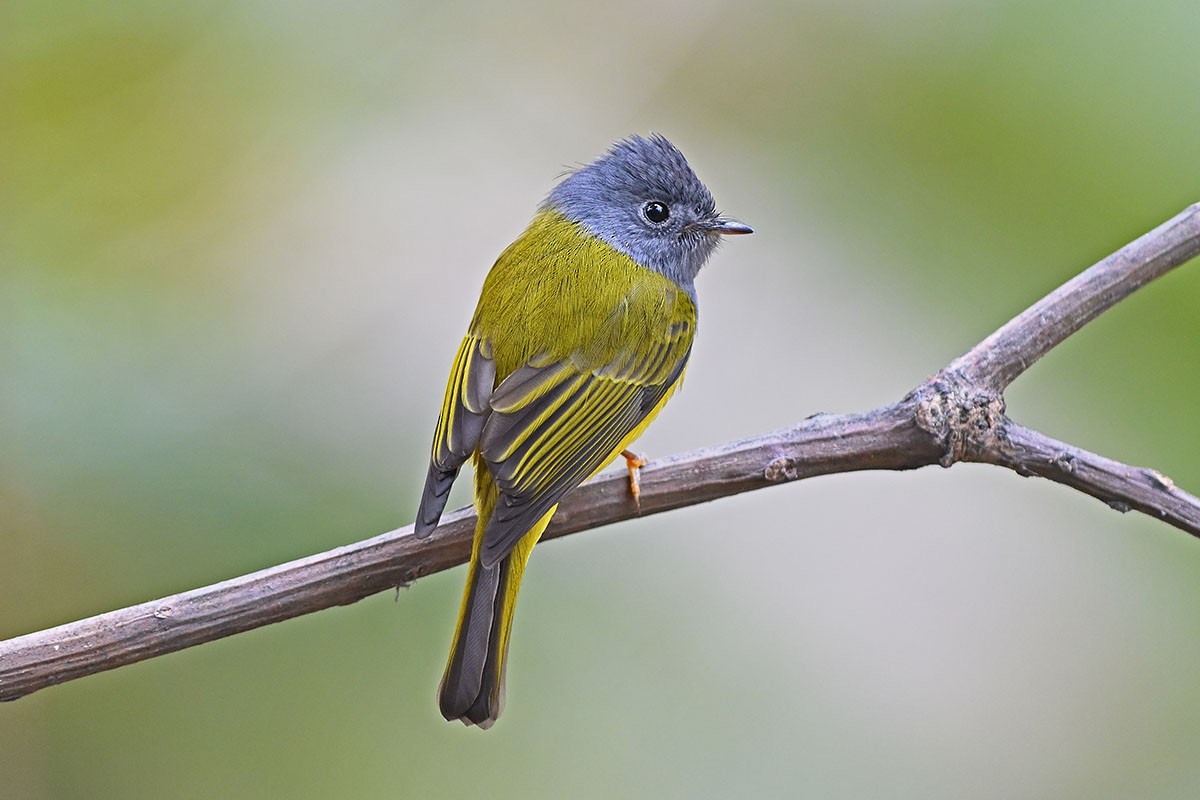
[{"x": 643, "y": 199}]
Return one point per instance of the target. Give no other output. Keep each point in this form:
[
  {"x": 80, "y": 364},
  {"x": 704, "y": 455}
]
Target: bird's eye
[{"x": 656, "y": 212}]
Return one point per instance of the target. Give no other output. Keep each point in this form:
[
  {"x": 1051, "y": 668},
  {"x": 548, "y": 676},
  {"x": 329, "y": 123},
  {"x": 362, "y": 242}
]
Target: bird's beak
[{"x": 727, "y": 227}]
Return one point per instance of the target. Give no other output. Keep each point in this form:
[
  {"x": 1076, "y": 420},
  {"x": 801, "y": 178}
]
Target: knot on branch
[{"x": 967, "y": 421}]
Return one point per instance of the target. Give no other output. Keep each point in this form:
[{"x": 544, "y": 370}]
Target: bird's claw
[{"x": 634, "y": 463}]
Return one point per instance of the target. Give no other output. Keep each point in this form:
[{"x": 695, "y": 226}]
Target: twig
[
  {"x": 996, "y": 361},
  {"x": 957, "y": 415}
]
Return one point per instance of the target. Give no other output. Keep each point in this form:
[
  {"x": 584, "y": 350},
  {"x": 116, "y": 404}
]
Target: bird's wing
[
  {"x": 464, "y": 411},
  {"x": 555, "y": 423}
]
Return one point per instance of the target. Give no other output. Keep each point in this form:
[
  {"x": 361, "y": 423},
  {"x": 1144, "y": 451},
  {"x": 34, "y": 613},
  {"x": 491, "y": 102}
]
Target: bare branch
[
  {"x": 957, "y": 415},
  {"x": 995, "y": 362},
  {"x": 885, "y": 439},
  {"x": 1121, "y": 486}
]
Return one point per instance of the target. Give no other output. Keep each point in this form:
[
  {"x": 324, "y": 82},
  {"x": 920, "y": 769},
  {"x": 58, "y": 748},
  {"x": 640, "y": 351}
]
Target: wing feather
[
  {"x": 465, "y": 410},
  {"x": 553, "y": 425}
]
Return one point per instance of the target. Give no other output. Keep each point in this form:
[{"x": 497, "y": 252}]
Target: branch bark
[{"x": 957, "y": 415}]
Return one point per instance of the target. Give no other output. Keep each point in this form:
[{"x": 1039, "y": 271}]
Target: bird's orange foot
[{"x": 634, "y": 463}]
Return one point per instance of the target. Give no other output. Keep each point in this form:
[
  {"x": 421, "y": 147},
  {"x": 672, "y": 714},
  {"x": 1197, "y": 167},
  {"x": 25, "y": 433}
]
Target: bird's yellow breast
[{"x": 558, "y": 292}]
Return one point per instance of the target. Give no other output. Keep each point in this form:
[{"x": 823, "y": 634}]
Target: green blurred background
[{"x": 239, "y": 243}]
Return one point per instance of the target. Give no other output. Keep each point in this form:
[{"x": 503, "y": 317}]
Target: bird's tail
[{"x": 472, "y": 688}]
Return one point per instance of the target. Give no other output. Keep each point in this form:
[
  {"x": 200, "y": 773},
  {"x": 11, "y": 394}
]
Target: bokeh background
[{"x": 239, "y": 243}]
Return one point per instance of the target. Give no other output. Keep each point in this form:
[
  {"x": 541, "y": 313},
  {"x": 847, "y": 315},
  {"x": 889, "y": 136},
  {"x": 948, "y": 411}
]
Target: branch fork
[{"x": 967, "y": 421}]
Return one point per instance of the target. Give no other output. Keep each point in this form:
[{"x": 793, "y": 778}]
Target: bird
[{"x": 581, "y": 334}]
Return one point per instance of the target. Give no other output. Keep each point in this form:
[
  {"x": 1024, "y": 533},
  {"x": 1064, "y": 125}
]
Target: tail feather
[
  {"x": 470, "y": 690},
  {"x": 472, "y": 687}
]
